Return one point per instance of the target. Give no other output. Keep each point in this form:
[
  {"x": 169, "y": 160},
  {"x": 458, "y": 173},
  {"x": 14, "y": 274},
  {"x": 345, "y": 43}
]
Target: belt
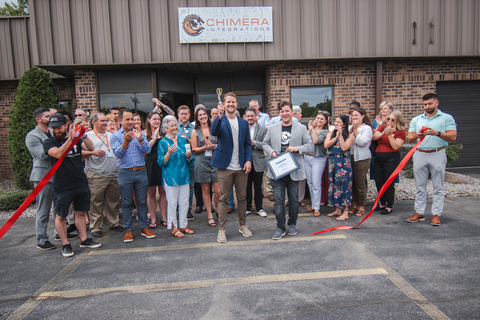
[
  {"x": 309, "y": 154},
  {"x": 430, "y": 150},
  {"x": 135, "y": 168}
]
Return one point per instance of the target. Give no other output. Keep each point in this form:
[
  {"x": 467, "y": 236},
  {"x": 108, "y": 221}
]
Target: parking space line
[
  {"x": 215, "y": 244},
  {"x": 401, "y": 283},
  {"x": 68, "y": 294}
]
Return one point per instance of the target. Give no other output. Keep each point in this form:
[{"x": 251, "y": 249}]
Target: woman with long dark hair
[{"x": 338, "y": 144}]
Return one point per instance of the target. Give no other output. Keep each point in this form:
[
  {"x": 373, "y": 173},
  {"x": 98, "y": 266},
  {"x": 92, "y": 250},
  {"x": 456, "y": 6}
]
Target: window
[
  {"x": 143, "y": 101},
  {"x": 211, "y": 100},
  {"x": 312, "y": 99}
]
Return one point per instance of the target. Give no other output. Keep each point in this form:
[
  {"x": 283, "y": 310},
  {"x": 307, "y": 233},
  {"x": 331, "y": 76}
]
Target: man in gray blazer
[
  {"x": 287, "y": 136},
  {"x": 255, "y": 176},
  {"x": 41, "y": 165}
]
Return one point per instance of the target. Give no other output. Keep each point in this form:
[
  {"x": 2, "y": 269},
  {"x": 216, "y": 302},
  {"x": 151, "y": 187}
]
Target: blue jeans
[
  {"x": 279, "y": 204},
  {"x": 129, "y": 181}
]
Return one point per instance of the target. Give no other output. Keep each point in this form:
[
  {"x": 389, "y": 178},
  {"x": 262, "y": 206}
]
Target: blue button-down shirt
[
  {"x": 263, "y": 119},
  {"x": 133, "y": 156},
  {"x": 440, "y": 122},
  {"x": 188, "y": 132}
]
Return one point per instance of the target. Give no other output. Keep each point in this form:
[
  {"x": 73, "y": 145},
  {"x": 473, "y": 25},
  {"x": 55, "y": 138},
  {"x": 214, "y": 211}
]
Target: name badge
[
  {"x": 208, "y": 153},
  {"x": 110, "y": 154}
]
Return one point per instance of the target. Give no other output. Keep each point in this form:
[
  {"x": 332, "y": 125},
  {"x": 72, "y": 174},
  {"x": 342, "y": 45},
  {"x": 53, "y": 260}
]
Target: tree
[
  {"x": 15, "y": 9},
  {"x": 35, "y": 90}
]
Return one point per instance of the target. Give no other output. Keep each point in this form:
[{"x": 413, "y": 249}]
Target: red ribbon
[
  {"x": 40, "y": 185},
  {"x": 382, "y": 190}
]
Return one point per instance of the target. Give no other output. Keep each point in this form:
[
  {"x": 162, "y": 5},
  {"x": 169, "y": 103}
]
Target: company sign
[{"x": 225, "y": 24}]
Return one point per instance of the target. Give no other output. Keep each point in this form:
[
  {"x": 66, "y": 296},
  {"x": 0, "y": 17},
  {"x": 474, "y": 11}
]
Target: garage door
[{"x": 461, "y": 99}]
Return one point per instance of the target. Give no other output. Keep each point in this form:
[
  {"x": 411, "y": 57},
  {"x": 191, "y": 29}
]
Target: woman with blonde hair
[{"x": 390, "y": 137}]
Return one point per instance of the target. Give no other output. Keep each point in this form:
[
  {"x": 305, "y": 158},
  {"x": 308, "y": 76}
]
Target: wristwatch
[{"x": 438, "y": 134}]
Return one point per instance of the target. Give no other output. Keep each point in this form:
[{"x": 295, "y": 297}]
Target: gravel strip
[{"x": 405, "y": 190}]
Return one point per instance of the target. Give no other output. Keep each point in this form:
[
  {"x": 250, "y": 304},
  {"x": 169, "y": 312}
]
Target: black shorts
[{"x": 80, "y": 196}]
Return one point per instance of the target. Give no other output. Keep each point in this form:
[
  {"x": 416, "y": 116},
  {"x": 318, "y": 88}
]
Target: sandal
[
  {"x": 342, "y": 218},
  {"x": 353, "y": 211},
  {"x": 317, "y": 213},
  {"x": 153, "y": 225},
  {"x": 360, "y": 213},
  {"x": 164, "y": 223},
  {"x": 186, "y": 230},
  {"x": 177, "y": 233},
  {"x": 333, "y": 214},
  {"x": 212, "y": 224}
]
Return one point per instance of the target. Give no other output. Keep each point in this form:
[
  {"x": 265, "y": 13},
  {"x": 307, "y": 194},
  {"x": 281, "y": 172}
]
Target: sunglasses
[{"x": 391, "y": 119}]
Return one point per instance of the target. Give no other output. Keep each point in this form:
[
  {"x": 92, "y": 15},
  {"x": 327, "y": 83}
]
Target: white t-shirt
[
  {"x": 235, "y": 162},
  {"x": 107, "y": 165}
]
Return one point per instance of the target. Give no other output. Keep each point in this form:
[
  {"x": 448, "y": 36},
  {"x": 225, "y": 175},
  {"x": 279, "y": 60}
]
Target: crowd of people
[{"x": 123, "y": 162}]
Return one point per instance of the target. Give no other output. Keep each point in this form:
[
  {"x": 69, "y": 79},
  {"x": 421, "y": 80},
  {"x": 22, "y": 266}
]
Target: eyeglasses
[
  {"x": 79, "y": 115},
  {"x": 391, "y": 119}
]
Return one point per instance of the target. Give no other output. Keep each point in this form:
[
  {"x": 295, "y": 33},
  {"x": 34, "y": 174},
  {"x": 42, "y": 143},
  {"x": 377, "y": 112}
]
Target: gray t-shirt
[
  {"x": 107, "y": 165},
  {"x": 235, "y": 162}
]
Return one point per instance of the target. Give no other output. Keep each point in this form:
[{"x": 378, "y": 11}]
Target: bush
[
  {"x": 35, "y": 90},
  {"x": 13, "y": 200}
]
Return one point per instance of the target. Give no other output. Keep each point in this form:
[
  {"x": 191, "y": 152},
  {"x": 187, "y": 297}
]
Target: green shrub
[
  {"x": 13, "y": 200},
  {"x": 35, "y": 90}
]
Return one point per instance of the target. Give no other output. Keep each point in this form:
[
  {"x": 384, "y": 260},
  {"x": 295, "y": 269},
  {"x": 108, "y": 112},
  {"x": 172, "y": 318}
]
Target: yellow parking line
[
  {"x": 216, "y": 244},
  {"x": 68, "y": 294}
]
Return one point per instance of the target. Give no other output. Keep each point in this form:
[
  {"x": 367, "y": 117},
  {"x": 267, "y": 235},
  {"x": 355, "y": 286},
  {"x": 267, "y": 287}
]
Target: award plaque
[{"x": 282, "y": 165}]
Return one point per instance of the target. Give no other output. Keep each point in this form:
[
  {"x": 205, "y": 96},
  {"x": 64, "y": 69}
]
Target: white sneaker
[
  {"x": 262, "y": 213},
  {"x": 248, "y": 212}
]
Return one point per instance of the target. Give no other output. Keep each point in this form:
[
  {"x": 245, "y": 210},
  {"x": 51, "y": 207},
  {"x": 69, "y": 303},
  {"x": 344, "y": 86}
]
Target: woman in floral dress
[{"x": 338, "y": 145}]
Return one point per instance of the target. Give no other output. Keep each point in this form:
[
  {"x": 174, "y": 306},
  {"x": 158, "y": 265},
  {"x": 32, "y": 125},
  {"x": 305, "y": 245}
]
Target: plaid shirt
[{"x": 133, "y": 156}]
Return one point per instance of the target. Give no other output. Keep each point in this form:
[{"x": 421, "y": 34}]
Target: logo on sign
[{"x": 192, "y": 25}]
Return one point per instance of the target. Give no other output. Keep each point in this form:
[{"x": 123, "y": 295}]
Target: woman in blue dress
[
  {"x": 338, "y": 145},
  {"x": 173, "y": 157}
]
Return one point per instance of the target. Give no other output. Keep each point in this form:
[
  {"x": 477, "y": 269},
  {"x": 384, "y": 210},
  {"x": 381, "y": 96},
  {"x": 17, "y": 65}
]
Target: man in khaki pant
[{"x": 101, "y": 171}]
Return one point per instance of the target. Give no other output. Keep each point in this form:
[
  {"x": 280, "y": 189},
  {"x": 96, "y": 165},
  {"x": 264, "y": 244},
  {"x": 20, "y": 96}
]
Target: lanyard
[
  {"x": 102, "y": 139},
  {"x": 207, "y": 138}
]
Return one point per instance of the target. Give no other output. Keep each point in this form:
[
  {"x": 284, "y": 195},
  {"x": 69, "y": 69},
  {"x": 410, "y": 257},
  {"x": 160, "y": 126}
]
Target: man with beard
[
  {"x": 101, "y": 171},
  {"x": 70, "y": 184},
  {"x": 430, "y": 157}
]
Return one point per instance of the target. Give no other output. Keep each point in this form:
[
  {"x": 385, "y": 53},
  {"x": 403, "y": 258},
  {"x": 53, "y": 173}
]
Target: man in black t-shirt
[{"x": 70, "y": 182}]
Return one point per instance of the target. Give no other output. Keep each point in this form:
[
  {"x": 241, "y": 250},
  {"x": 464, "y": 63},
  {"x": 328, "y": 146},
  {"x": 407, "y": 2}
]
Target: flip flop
[
  {"x": 333, "y": 214},
  {"x": 212, "y": 224},
  {"x": 153, "y": 225},
  {"x": 342, "y": 218},
  {"x": 164, "y": 223}
]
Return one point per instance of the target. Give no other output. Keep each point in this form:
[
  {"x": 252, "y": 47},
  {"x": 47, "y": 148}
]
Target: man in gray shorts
[{"x": 70, "y": 182}]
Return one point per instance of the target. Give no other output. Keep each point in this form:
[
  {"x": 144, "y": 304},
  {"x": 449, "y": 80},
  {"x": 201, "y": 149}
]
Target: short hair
[
  {"x": 113, "y": 108},
  {"x": 296, "y": 109},
  {"x": 388, "y": 103},
  {"x": 94, "y": 116},
  {"x": 250, "y": 109},
  {"x": 66, "y": 114},
  {"x": 38, "y": 113},
  {"x": 167, "y": 120},
  {"x": 120, "y": 114},
  {"x": 429, "y": 96},
  {"x": 112, "y": 117},
  {"x": 230, "y": 94},
  {"x": 283, "y": 104},
  {"x": 356, "y": 103},
  {"x": 253, "y": 100},
  {"x": 183, "y": 107},
  {"x": 80, "y": 109}
]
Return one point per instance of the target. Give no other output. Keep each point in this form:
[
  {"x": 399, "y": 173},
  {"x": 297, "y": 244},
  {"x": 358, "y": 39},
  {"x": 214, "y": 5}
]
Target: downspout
[{"x": 378, "y": 86}]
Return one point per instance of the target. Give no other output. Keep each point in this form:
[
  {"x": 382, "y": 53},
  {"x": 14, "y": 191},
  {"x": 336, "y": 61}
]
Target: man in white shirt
[
  {"x": 262, "y": 118},
  {"x": 101, "y": 171}
]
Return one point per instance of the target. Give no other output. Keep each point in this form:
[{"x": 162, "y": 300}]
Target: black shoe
[
  {"x": 198, "y": 209},
  {"x": 67, "y": 250},
  {"x": 378, "y": 208},
  {"x": 190, "y": 216},
  {"x": 71, "y": 228},
  {"x": 97, "y": 234},
  {"x": 385, "y": 211},
  {"x": 89, "y": 243},
  {"x": 70, "y": 236},
  {"x": 117, "y": 228},
  {"x": 46, "y": 246}
]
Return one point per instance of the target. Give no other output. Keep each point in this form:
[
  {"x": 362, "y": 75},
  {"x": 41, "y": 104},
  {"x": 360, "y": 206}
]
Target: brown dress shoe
[
  {"x": 271, "y": 197},
  {"x": 229, "y": 210},
  {"x": 128, "y": 236},
  {"x": 416, "y": 217},
  {"x": 147, "y": 233},
  {"x": 436, "y": 220},
  {"x": 303, "y": 203}
]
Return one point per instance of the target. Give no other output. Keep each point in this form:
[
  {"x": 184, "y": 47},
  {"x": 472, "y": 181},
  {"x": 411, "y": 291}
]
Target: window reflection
[
  {"x": 126, "y": 100},
  {"x": 312, "y": 99},
  {"x": 211, "y": 100}
]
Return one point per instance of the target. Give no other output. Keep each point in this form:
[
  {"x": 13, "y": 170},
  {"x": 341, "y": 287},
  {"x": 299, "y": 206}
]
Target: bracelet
[{"x": 140, "y": 141}]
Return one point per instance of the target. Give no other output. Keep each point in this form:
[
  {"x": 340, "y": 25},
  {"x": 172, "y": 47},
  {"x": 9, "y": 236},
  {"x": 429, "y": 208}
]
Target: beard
[
  {"x": 62, "y": 136},
  {"x": 430, "y": 111}
]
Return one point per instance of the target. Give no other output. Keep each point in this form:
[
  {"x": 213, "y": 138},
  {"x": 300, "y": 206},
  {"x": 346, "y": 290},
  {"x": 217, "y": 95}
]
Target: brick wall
[
  {"x": 85, "y": 90},
  {"x": 7, "y": 95},
  {"x": 404, "y": 82}
]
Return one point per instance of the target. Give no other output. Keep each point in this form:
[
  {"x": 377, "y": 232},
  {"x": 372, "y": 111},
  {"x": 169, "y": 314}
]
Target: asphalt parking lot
[{"x": 386, "y": 269}]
